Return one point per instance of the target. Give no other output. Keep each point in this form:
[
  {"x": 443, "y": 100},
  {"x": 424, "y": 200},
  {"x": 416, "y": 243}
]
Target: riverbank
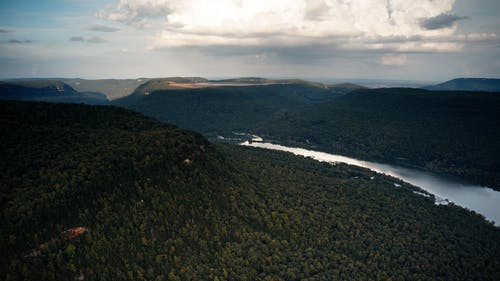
[{"x": 482, "y": 200}]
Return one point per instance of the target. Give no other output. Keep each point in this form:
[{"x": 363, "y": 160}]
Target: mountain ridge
[
  {"x": 468, "y": 84},
  {"x": 49, "y": 91}
]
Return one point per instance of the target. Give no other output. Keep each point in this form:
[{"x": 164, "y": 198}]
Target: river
[{"x": 482, "y": 200}]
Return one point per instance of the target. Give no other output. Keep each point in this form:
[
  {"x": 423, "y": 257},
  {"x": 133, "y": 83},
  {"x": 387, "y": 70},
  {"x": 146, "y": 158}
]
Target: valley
[
  {"x": 480, "y": 199},
  {"x": 451, "y": 133},
  {"x": 228, "y": 213},
  {"x": 240, "y": 140}
]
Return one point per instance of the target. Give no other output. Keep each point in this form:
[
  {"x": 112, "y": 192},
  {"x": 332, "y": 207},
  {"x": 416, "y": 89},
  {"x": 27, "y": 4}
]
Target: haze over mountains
[
  {"x": 112, "y": 88},
  {"x": 468, "y": 84},
  {"x": 118, "y": 88},
  {"x": 49, "y": 91}
]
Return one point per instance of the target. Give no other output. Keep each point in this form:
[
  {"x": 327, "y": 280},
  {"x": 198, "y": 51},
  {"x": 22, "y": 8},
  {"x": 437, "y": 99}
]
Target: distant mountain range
[
  {"x": 117, "y": 88},
  {"x": 48, "y": 91},
  {"x": 468, "y": 84},
  {"x": 112, "y": 88}
]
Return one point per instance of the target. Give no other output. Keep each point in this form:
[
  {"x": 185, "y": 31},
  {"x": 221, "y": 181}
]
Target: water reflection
[{"x": 483, "y": 200}]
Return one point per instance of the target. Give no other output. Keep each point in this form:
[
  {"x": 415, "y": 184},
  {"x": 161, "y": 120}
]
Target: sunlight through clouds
[
  {"x": 341, "y": 38},
  {"x": 345, "y": 24}
]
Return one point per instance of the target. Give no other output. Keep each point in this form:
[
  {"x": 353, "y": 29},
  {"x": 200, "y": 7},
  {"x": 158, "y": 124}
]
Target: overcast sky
[{"x": 386, "y": 39}]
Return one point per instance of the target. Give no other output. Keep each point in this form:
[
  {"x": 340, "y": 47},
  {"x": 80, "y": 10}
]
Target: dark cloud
[
  {"x": 15, "y": 41},
  {"x": 440, "y": 21},
  {"x": 318, "y": 54},
  {"x": 96, "y": 39},
  {"x": 77, "y": 39},
  {"x": 103, "y": 28},
  {"x": 3, "y": 30}
]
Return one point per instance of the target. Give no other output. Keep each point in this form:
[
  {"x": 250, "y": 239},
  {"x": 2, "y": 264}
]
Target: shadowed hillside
[
  {"x": 49, "y": 91},
  {"x": 219, "y": 110},
  {"x": 455, "y": 133},
  {"x": 103, "y": 193},
  {"x": 468, "y": 84},
  {"x": 112, "y": 88}
]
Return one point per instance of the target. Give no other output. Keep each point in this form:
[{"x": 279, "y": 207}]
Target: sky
[{"x": 431, "y": 40}]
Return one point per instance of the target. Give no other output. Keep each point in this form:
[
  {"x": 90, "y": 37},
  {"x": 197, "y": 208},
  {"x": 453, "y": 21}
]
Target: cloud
[
  {"x": 394, "y": 60},
  {"x": 77, "y": 39},
  {"x": 3, "y": 30},
  {"x": 96, "y": 39},
  {"x": 130, "y": 11},
  {"x": 15, "y": 41},
  {"x": 103, "y": 28},
  {"x": 440, "y": 21},
  {"x": 327, "y": 27}
]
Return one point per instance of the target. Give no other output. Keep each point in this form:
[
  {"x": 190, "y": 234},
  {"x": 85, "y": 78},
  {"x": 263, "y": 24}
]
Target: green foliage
[
  {"x": 454, "y": 133},
  {"x": 221, "y": 110},
  {"x": 48, "y": 91},
  {"x": 232, "y": 213},
  {"x": 468, "y": 84}
]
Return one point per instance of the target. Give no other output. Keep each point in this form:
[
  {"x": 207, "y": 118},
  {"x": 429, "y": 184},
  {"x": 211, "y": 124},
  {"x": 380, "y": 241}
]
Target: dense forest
[
  {"x": 103, "y": 193},
  {"x": 222, "y": 110},
  {"x": 468, "y": 84},
  {"x": 48, "y": 91},
  {"x": 455, "y": 133}
]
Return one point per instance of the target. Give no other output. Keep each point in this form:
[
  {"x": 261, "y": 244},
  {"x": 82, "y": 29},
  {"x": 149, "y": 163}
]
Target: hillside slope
[
  {"x": 102, "y": 193},
  {"x": 48, "y": 91},
  {"x": 455, "y": 133},
  {"x": 221, "y": 110},
  {"x": 468, "y": 84},
  {"x": 112, "y": 88}
]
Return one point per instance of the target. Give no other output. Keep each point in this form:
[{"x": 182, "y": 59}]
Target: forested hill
[
  {"x": 455, "y": 133},
  {"x": 103, "y": 193},
  {"x": 225, "y": 109},
  {"x": 468, "y": 84},
  {"x": 49, "y": 91},
  {"x": 450, "y": 132}
]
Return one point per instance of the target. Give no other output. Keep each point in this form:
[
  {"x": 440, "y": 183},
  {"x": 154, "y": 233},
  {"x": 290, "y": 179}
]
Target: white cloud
[
  {"x": 394, "y": 60},
  {"x": 136, "y": 10},
  {"x": 390, "y": 25}
]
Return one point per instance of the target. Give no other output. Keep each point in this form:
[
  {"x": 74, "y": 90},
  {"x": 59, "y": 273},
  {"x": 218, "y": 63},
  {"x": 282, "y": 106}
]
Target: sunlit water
[{"x": 482, "y": 200}]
